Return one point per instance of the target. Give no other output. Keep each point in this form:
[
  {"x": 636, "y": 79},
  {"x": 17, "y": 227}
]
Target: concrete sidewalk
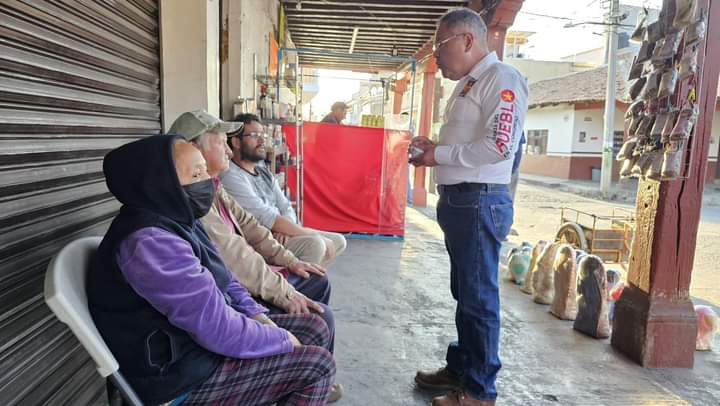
[
  {"x": 395, "y": 314},
  {"x": 623, "y": 191}
]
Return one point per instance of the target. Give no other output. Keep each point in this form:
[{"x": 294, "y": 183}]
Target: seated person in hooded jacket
[{"x": 174, "y": 317}]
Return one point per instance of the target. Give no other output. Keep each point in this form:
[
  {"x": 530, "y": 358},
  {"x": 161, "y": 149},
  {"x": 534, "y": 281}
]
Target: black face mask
[{"x": 201, "y": 195}]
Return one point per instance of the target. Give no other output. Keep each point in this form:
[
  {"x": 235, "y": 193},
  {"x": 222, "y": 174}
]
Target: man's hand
[
  {"x": 428, "y": 157},
  {"x": 422, "y": 142},
  {"x": 301, "y": 304},
  {"x": 304, "y": 269}
]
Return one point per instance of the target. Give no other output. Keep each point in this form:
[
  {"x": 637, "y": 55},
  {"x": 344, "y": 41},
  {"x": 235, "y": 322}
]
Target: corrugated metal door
[{"x": 77, "y": 78}]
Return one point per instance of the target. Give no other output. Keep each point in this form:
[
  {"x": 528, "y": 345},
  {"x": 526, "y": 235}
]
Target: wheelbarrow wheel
[{"x": 573, "y": 234}]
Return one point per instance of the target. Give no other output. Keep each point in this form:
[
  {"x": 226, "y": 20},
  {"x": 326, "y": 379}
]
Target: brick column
[
  {"x": 425, "y": 124},
  {"x": 400, "y": 88}
]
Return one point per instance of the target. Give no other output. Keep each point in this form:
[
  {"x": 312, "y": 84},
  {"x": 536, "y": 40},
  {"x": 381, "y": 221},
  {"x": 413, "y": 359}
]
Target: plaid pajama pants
[{"x": 302, "y": 377}]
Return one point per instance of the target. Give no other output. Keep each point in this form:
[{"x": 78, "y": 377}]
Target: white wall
[
  {"x": 592, "y": 123},
  {"x": 535, "y": 70},
  {"x": 715, "y": 137},
  {"x": 190, "y": 71},
  {"x": 249, "y": 25},
  {"x": 558, "y": 120}
]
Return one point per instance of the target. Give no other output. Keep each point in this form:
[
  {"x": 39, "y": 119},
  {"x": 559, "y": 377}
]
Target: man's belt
[{"x": 472, "y": 187}]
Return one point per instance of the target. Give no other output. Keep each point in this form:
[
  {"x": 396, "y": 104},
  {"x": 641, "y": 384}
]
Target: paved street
[
  {"x": 537, "y": 216},
  {"x": 394, "y": 314}
]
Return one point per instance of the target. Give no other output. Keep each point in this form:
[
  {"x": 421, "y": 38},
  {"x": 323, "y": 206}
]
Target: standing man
[
  {"x": 473, "y": 162},
  {"x": 337, "y": 114}
]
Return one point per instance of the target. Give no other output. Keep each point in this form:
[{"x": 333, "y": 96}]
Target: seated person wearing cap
[
  {"x": 247, "y": 247},
  {"x": 256, "y": 190},
  {"x": 173, "y": 315},
  {"x": 337, "y": 113}
]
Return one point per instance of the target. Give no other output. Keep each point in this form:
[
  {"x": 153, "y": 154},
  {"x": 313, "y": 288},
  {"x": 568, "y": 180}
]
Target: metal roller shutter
[{"x": 77, "y": 78}]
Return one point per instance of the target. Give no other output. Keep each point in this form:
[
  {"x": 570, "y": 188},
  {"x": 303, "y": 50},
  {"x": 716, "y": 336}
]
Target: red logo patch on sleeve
[{"x": 507, "y": 95}]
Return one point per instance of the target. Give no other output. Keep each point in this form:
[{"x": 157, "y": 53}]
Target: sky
[
  {"x": 551, "y": 41},
  {"x": 335, "y": 85}
]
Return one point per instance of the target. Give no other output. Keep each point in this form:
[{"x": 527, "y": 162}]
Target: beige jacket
[{"x": 247, "y": 249}]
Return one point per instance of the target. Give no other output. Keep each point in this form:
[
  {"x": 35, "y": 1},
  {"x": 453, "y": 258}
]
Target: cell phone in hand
[{"x": 415, "y": 151}]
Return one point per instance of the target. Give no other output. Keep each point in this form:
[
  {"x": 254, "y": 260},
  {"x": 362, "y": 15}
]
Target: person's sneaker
[
  {"x": 442, "y": 379},
  {"x": 336, "y": 392},
  {"x": 459, "y": 398}
]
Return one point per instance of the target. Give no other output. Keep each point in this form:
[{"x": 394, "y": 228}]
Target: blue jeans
[{"x": 475, "y": 223}]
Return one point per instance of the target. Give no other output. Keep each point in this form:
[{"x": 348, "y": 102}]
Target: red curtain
[{"x": 355, "y": 178}]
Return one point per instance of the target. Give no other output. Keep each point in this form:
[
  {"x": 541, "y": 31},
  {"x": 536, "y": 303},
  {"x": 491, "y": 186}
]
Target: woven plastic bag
[
  {"x": 645, "y": 52},
  {"x": 626, "y": 168},
  {"x": 637, "y": 87},
  {"x": 627, "y": 149},
  {"x": 684, "y": 13},
  {"x": 688, "y": 65},
  {"x": 666, "y": 48},
  {"x": 660, "y": 121},
  {"x": 669, "y": 125},
  {"x": 527, "y": 286},
  {"x": 592, "y": 310},
  {"x": 635, "y": 108},
  {"x": 708, "y": 325},
  {"x": 636, "y": 69},
  {"x": 642, "y": 164},
  {"x": 673, "y": 160},
  {"x": 650, "y": 90},
  {"x": 654, "y": 32},
  {"x": 518, "y": 265},
  {"x": 543, "y": 285},
  {"x": 643, "y": 129},
  {"x": 684, "y": 124},
  {"x": 564, "y": 304},
  {"x": 667, "y": 83},
  {"x": 640, "y": 27},
  {"x": 696, "y": 31},
  {"x": 654, "y": 170}
]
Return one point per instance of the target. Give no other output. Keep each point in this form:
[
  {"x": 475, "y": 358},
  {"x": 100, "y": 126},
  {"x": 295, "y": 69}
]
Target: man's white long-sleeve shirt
[{"x": 482, "y": 125}]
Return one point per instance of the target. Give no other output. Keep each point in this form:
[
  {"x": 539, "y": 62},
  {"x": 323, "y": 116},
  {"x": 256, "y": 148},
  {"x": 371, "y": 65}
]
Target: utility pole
[{"x": 609, "y": 133}]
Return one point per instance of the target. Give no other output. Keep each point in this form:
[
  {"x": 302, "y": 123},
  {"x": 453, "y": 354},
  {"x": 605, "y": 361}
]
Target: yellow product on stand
[{"x": 372, "y": 120}]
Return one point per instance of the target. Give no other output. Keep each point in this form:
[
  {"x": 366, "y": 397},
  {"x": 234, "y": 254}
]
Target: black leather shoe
[{"x": 442, "y": 379}]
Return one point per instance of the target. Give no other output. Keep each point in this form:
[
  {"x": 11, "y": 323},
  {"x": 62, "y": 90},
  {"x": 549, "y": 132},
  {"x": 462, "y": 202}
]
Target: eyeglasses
[
  {"x": 438, "y": 45},
  {"x": 255, "y": 135}
]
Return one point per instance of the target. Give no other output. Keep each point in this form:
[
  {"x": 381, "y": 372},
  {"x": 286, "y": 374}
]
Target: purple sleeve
[
  {"x": 162, "y": 268},
  {"x": 241, "y": 299}
]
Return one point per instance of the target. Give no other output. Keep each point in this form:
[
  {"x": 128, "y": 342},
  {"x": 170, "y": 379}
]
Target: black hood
[{"x": 142, "y": 176}]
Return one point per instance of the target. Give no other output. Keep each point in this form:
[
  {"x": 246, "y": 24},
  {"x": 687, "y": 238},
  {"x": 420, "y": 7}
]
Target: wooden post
[
  {"x": 400, "y": 88},
  {"x": 425, "y": 122},
  {"x": 717, "y": 164},
  {"x": 654, "y": 322},
  {"x": 496, "y": 40}
]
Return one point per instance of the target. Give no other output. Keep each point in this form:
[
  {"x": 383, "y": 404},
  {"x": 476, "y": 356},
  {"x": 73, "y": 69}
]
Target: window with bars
[
  {"x": 536, "y": 142},
  {"x": 618, "y": 140}
]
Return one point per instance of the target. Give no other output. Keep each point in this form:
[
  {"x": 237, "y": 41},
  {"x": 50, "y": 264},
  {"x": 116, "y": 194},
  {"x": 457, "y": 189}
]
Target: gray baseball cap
[{"x": 193, "y": 124}]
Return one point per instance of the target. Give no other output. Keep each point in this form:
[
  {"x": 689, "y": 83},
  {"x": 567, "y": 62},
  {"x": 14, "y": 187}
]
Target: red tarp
[{"x": 355, "y": 178}]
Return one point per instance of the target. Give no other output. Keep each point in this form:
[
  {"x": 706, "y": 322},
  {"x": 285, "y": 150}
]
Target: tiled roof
[{"x": 580, "y": 87}]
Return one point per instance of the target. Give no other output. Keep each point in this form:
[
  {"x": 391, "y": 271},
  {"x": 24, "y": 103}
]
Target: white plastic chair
[{"x": 66, "y": 297}]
